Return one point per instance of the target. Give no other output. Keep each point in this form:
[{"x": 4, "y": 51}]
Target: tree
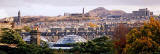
[
  {"x": 96, "y": 46},
  {"x": 92, "y": 25},
  {"x": 27, "y": 49},
  {"x": 10, "y": 36},
  {"x": 26, "y": 28},
  {"x": 119, "y": 37},
  {"x": 152, "y": 30},
  {"x": 143, "y": 45},
  {"x": 145, "y": 40},
  {"x": 33, "y": 49}
]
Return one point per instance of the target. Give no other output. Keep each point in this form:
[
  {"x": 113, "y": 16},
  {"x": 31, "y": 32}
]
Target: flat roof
[{"x": 61, "y": 47}]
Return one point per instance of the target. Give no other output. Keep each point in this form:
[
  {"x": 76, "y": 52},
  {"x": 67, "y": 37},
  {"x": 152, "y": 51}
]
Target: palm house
[{"x": 71, "y": 39}]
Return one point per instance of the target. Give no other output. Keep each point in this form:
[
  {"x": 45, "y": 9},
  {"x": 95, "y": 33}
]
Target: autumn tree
[
  {"x": 145, "y": 40},
  {"x": 92, "y": 25},
  {"x": 119, "y": 37},
  {"x": 143, "y": 45}
]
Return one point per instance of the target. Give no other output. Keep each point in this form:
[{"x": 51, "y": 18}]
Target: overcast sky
[{"x": 58, "y": 7}]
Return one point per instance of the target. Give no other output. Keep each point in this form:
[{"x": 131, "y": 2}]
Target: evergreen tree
[
  {"x": 96, "y": 46},
  {"x": 26, "y": 28},
  {"x": 10, "y": 36}
]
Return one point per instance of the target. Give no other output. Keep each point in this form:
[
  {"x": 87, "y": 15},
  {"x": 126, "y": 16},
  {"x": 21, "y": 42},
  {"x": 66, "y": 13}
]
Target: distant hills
[{"x": 102, "y": 12}]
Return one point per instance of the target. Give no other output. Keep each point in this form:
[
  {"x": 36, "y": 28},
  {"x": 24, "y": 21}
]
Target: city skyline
[{"x": 59, "y": 7}]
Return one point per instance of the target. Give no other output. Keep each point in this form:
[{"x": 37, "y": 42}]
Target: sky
[{"x": 10, "y": 8}]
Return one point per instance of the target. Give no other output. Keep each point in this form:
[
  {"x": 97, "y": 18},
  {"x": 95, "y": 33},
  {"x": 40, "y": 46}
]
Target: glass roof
[{"x": 71, "y": 39}]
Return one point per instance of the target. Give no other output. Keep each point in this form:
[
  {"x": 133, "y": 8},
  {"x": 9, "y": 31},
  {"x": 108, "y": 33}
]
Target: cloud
[{"x": 15, "y": 3}]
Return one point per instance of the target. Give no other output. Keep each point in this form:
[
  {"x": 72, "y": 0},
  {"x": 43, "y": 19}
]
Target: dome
[{"x": 71, "y": 39}]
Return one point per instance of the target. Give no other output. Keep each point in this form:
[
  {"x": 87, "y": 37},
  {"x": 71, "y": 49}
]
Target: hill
[
  {"x": 102, "y": 12},
  {"x": 99, "y": 12},
  {"x": 117, "y": 12}
]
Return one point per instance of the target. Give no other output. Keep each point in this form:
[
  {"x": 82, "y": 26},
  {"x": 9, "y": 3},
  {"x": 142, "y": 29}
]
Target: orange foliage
[
  {"x": 144, "y": 40},
  {"x": 92, "y": 25}
]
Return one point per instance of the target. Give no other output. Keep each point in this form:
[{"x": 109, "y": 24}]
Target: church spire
[
  {"x": 19, "y": 13},
  {"x": 83, "y": 12},
  {"x": 19, "y": 18}
]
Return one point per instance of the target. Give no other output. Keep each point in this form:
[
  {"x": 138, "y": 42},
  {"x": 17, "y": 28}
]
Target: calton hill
[{"x": 140, "y": 40}]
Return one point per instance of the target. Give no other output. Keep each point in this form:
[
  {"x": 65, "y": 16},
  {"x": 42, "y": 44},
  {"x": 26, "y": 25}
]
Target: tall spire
[
  {"x": 83, "y": 12},
  {"x": 19, "y": 17},
  {"x": 19, "y": 13}
]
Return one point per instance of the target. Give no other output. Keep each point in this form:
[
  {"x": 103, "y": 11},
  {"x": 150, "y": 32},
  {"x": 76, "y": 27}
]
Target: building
[
  {"x": 17, "y": 20},
  {"x": 71, "y": 39},
  {"x": 63, "y": 42},
  {"x": 35, "y": 37},
  {"x": 67, "y": 14},
  {"x": 76, "y": 14},
  {"x": 114, "y": 16},
  {"x": 142, "y": 13},
  {"x": 5, "y": 24}
]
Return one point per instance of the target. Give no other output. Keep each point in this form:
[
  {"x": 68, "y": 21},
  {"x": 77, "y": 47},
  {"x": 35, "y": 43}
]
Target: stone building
[
  {"x": 142, "y": 13},
  {"x": 17, "y": 20},
  {"x": 35, "y": 37}
]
